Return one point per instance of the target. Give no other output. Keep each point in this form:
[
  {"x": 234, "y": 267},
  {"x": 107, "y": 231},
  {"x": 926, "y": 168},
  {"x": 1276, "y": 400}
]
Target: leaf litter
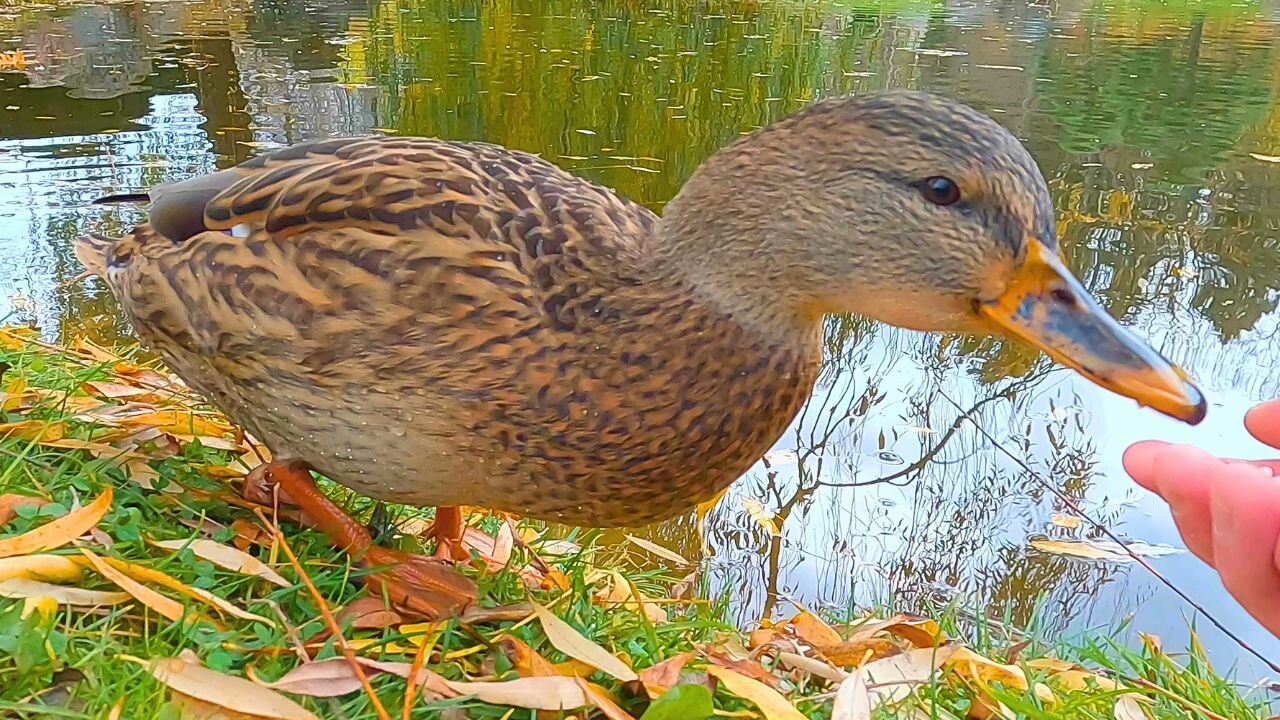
[{"x": 655, "y": 656}]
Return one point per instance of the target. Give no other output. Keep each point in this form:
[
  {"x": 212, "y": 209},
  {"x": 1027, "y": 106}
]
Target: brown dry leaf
[
  {"x": 527, "y": 661},
  {"x": 749, "y": 668},
  {"x": 770, "y": 702},
  {"x": 853, "y": 700},
  {"x": 46, "y": 568},
  {"x": 985, "y": 707},
  {"x": 226, "y": 557},
  {"x": 970, "y": 664},
  {"x": 535, "y": 693},
  {"x": 894, "y": 678},
  {"x": 23, "y": 588},
  {"x": 666, "y": 674},
  {"x": 369, "y": 613},
  {"x": 190, "y": 708},
  {"x": 921, "y": 632},
  {"x": 59, "y": 531},
  {"x": 857, "y": 652},
  {"x": 167, "y": 607},
  {"x": 603, "y": 701},
  {"x": 658, "y": 550},
  {"x": 233, "y": 693},
  {"x": 621, "y": 592},
  {"x": 572, "y": 643},
  {"x": 813, "y": 630},
  {"x": 334, "y": 677},
  {"x": 120, "y": 391},
  {"x": 9, "y": 502}
]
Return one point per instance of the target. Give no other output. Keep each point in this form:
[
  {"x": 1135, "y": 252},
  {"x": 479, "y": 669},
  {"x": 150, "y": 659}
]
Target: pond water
[{"x": 1156, "y": 123}]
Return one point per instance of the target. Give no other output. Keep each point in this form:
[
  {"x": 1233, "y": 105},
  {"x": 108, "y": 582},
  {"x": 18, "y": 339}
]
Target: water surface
[{"x": 1156, "y": 123}]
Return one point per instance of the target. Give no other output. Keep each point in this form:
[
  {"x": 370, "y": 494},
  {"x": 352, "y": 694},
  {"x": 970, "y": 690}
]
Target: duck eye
[{"x": 940, "y": 191}]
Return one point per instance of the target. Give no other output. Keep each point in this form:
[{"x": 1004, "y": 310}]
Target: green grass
[{"x": 75, "y": 662}]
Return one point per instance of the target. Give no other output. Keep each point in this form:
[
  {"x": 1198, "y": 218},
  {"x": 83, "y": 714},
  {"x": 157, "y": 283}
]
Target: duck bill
[{"x": 1047, "y": 307}]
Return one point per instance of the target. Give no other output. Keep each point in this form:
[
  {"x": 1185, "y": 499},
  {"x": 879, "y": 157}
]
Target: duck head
[{"x": 911, "y": 209}]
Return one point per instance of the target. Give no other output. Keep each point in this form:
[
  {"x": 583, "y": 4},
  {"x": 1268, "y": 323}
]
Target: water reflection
[{"x": 1157, "y": 125}]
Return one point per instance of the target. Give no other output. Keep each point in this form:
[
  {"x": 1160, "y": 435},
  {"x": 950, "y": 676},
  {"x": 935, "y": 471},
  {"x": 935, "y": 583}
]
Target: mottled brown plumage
[{"x": 442, "y": 323}]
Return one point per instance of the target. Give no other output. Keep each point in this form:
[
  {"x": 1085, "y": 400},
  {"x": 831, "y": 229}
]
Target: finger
[
  {"x": 1245, "y": 505},
  {"x": 1139, "y": 459},
  {"x": 1183, "y": 476},
  {"x": 1263, "y": 422},
  {"x": 1272, "y": 465}
]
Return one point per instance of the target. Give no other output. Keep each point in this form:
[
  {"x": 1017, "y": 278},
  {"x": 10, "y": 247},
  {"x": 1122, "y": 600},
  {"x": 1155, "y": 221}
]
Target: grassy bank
[{"x": 136, "y": 584}]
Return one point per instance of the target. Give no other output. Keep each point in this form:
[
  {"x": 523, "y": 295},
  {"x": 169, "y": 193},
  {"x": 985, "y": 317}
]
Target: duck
[{"x": 446, "y": 324}]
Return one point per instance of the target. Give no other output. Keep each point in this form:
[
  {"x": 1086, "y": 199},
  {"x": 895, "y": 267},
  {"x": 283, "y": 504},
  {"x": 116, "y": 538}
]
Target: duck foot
[
  {"x": 423, "y": 585},
  {"x": 448, "y": 529}
]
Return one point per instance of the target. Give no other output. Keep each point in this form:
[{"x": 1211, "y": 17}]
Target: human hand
[{"x": 1227, "y": 511}]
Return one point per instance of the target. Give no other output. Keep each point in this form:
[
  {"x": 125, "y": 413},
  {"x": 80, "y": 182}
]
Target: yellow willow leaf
[
  {"x": 762, "y": 517},
  {"x": 167, "y": 607},
  {"x": 40, "y": 431},
  {"x": 853, "y": 700},
  {"x": 226, "y": 557},
  {"x": 771, "y": 703},
  {"x": 48, "y": 568},
  {"x": 894, "y": 678},
  {"x": 658, "y": 550},
  {"x": 142, "y": 573},
  {"x": 59, "y": 531},
  {"x": 603, "y": 701},
  {"x": 970, "y": 664},
  {"x": 572, "y": 643},
  {"x": 22, "y": 588},
  {"x": 233, "y": 693},
  {"x": 535, "y": 693},
  {"x": 621, "y": 592},
  {"x": 178, "y": 422}
]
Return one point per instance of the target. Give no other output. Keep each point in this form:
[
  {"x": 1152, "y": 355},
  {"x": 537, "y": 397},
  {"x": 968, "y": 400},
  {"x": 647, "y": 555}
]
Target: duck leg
[
  {"x": 420, "y": 584},
  {"x": 448, "y": 529}
]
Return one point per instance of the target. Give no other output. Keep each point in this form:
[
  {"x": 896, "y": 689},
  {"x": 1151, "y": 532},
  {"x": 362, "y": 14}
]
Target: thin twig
[
  {"x": 329, "y": 619},
  {"x": 1075, "y": 508}
]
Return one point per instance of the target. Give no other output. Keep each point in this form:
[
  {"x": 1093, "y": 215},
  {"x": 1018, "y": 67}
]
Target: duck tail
[{"x": 92, "y": 250}]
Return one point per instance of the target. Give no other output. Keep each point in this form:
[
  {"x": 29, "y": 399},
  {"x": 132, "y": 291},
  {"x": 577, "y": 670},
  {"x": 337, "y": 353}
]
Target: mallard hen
[{"x": 444, "y": 323}]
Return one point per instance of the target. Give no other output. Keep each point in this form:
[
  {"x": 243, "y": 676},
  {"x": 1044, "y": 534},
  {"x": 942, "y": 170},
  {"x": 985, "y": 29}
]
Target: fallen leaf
[
  {"x": 602, "y": 700},
  {"x": 658, "y": 550},
  {"x": 226, "y": 557},
  {"x": 682, "y": 702},
  {"x": 762, "y": 517},
  {"x": 46, "y": 568},
  {"x": 770, "y": 702},
  {"x": 921, "y": 632},
  {"x": 167, "y": 607},
  {"x": 853, "y": 700},
  {"x": 1265, "y": 158},
  {"x": 857, "y": 652},
  {"x": 141, "y": 573},
  {"x": 970, "y": 664},
  {"x": 621, "y": 592},
  {"x": 182, "y": 423},
  {"x": 1127, "y": 708},
  {"x": 233, "y": 693},
  {"x": 665, "y": 675},
  {"x": 1099, "y": 550},
  {"x": 334, "y": 677},
  {"x": 368, "y": 613},
  {"x": 572, "y": 643},
  {"x": 536, "y": 693},
  {"x": 23, "y": 588},
  {"x": 59, "y": 531},
  {"x": 892, "y": 679},
  {"x": 9, "y": 503},
  {"x": 813, "y": 630},
  {"x": 41, "y": 431},
  {"x": 527, "y": 661},
  {"x": 813, "y": 666}
]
